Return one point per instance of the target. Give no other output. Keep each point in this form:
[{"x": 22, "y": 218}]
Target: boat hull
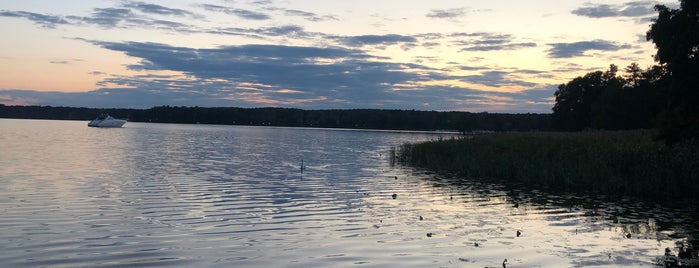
[{"x": 106, "y": 123}]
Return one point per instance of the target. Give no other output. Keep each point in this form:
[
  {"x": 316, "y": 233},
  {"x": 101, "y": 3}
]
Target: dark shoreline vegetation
[
  {"x": 289, "y": 117},
  {"x": 600, "y": 163}
]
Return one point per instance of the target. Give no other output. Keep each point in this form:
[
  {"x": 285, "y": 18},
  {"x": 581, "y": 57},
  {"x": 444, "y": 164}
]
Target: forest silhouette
[
  {"x": 664, "y": 96},
  {"x": 289, "y": 117}
]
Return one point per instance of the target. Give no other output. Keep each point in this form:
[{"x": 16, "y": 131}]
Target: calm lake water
[{"x": 232, "y": 196}]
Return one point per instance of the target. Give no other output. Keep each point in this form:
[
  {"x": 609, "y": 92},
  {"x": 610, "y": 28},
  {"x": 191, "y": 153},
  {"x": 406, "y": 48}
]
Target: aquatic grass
[{"x": 603, "y": 162}]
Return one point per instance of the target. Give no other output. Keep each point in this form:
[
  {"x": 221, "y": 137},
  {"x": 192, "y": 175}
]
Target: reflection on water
[{"x": 222, "y": 196}]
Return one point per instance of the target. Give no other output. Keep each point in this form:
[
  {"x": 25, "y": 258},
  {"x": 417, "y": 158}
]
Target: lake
[{"x": 237, "y": 196}]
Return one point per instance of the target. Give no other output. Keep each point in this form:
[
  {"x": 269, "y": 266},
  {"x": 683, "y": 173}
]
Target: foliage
[
  {"x": 676, "y": 36},
  {"x": 605, "y": 100},
  {"x": 603, "y": 162},
  {"x": 632, "y": 102},
  {"x": 574, "y": 100}
]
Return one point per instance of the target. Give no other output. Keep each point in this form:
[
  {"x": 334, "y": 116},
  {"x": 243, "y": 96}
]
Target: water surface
[{"x": 223, "y": 196}]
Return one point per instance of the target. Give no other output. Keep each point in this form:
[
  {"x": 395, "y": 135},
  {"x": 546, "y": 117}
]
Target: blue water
[{"x": 224, "y": 196}]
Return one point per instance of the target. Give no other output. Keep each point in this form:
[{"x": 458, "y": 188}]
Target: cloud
[
  {"x": 370, "y": 40},
  {"x": 46, "y": 21},
  {"x": 247, "y": 14},
  {"x": 309, "y": 69},
  {"x": 129, "y": 16},
  {"x": 284, "y": 76},
  {"x": 157, "y": 9},
  {"x": 121, "y": 17},
  {"x": 629, "y": 9},
  {"x": 65, "y": 61},
  {"x": 258, "y": 2},
  {"x": 293, "y": 31},
  {"x": 575, "y": 49},
  {"x": 285, "y": 30},
  {"x": 310, "y": 16},
  {"x": 109, "y": 17},
  {"x": 495, "y": 79},
  {"x": 125, "y": 18},
  {"x": 446, "y": 13},
  {"x": 491, "y": 47},
  {"x": 483, "y": 41},
  {"x": 241, "y": 13}
]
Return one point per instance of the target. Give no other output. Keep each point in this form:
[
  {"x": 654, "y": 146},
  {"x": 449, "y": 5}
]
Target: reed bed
[{"x": 614, "y": 163}]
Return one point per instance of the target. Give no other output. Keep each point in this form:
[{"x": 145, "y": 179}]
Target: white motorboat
[{"x": 105, "y": 120}]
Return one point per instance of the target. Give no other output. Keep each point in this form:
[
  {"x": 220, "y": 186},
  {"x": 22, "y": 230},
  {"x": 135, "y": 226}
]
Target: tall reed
[{"x": 603, "y": 162}]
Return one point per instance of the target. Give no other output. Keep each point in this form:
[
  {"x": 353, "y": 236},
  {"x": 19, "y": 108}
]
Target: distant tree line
[
  {"x": 664, "y": 96},
  {"x": 289, "y": 117},
  {"x": 59, "y": 113},
  {"x": 356, "y": 118}
]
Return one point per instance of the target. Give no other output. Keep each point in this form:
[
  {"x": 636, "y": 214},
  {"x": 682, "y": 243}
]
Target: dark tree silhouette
[
  {"x": 630, "y": 102},
  {"x": 608, "y": 111},
  {"x": 676, "y": 36},
  {"x": 605, "y": 100},
  {"x": 575, "y": 99},
  {"x": 634, "y": 75}
]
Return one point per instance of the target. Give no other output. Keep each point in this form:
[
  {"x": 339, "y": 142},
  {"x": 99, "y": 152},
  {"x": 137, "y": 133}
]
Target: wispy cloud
[
  {"x": 629, "y": 9},
  {"x": 310, "y": 16},
  {"x": 241, "y": 13},
  {"x": 388, "y": 39},
  {"x": 451, "y": 13},
  {"x": 109, "y": 18},
  {"x": 47, "y": 21},
  {"x": 484, "y": 41},
  {"x": 575, "y": 49},
  {"x": 65, "y": 61},
  {"x": 293, "y": 31},
  {"x": 158, "y": 9}
]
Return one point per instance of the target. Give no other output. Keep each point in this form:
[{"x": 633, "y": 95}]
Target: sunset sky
[{"x": 494, "y": 56}]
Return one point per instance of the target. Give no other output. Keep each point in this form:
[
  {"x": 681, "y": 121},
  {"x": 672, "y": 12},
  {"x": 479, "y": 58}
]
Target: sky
[{"x": 444, "y": 55}]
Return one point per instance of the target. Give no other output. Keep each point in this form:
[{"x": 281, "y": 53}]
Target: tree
[
  {"x": 634, "y": 75},
  {"x": 631, "y": 102},
  {"x": 675, "y": 34},
  {"x": 574, "y": 100}
]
